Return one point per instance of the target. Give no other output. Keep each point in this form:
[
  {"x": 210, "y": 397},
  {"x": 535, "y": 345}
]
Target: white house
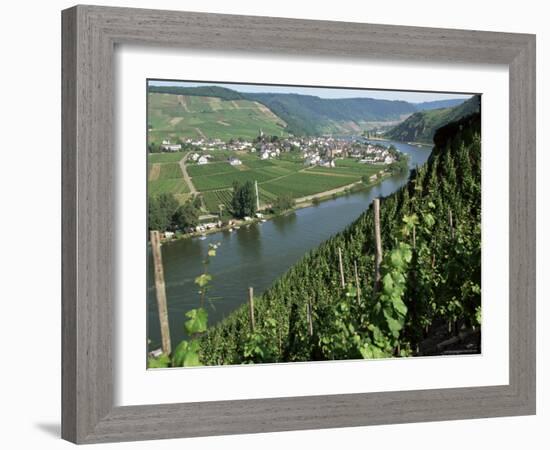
[
  {"x": 202, "y": 160},
  {"x": 235, "y": 161},
  {"x": 194, "y": 157},
  {"x": 265, "y": 155},
  {"x": 172, "y": 147}
]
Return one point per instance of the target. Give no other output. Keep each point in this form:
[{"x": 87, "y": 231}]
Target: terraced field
[{"x": 173, "y": 116}]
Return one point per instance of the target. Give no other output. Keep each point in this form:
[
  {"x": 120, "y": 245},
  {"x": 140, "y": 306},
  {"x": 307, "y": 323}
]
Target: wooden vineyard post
[
  {"x": 378, "y": 243},
  {"x": 251, "y": 308},
  {"x": 414, "y": 236},
  {"x": 357, "y": 286},
  {"x": 341, "y": 265},
  {"x": 257, "y": 196},
  {"x": 309, "y": 318},
  {"x": 160, "y": 289},
  {"x": 451, "y": 223}
]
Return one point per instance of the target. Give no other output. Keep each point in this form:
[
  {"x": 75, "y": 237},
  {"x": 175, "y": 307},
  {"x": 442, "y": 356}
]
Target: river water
[{"x": 255, "y": 255}]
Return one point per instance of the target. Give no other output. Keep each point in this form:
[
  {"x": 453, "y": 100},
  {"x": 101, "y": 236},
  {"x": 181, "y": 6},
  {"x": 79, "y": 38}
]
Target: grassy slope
[
  {"x": 421, "y": 126},
  {"x": 182, "y": 116}
]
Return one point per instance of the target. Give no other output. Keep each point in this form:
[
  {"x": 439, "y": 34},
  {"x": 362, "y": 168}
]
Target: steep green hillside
[
  {"x": 180, "y": 116},
  {"x": 421, "y": 126},
  {"x": 436, "y": 104},
  {"x": 310, "y": 115},
  {"x": 201, "y": 91},
  {"x": 431, "y": 274}
]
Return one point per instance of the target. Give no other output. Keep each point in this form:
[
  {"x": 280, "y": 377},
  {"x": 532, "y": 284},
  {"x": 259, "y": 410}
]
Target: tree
[
  {"x": 161, "y": 211},
  {"x": 283, "y": 203},
  {"x": 154, "y": 147},
  {"x": 186, "y": 215},
  {"x": 243, "y": 202}
]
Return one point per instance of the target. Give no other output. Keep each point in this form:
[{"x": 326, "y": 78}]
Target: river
[{"x": 256, "y": 255}]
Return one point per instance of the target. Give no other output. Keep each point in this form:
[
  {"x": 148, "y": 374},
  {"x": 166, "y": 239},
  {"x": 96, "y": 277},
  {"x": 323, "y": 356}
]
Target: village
[
  {"x": 321, "y": 151},
  {"x": 297, "y": 171}
]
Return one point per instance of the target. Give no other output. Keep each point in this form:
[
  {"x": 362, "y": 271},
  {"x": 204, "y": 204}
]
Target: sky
[{"x": 409, "y": 96}]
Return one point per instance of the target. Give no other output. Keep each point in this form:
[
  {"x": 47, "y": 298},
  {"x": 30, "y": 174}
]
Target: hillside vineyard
[{"x": 430, "y": 283}]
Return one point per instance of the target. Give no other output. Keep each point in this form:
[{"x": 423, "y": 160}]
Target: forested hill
[
  {"x": 430, "y": 277},
  {"x": 436, "y": 104},
  {"x": 307, "y": 114},
  {"x": 422, "y": 125},
  {"x": 310, "y": 115}
]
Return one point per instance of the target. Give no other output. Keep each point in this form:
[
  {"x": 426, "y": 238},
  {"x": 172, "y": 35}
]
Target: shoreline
[
  {"x": 356, "y": 186},
  {"x": 416, "y": 144}
]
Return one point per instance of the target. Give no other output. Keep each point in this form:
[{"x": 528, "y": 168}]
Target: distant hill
[
  {"x": 436, "y": 104},
  {"x": 421, "y": 126},
  {"x": 218, "y": 112},
  {"x": 310, "y": 115},
  {"x": 173, "y": 116}
]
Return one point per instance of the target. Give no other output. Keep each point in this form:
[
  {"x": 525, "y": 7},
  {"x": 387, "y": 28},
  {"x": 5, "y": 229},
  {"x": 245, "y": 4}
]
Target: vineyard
[
  {"x": 275, "y": 177},
  {"x": 213, "y": 199},
  {"x": 331, "y": 305}
]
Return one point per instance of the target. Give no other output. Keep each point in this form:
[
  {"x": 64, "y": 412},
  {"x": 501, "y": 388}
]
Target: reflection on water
[{"x": 257, "y": 254}]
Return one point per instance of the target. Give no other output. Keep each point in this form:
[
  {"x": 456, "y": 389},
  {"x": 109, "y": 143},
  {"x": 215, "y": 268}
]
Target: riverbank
[
  {"x": 417, "y": 144},
  {"x": 302, "y": 202}
]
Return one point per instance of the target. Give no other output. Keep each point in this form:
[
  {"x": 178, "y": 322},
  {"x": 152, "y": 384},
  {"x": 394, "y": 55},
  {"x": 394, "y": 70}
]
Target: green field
[
  {"x": 275, "y": 177},
  {"x": 165, "y": 175},
  {"x": 225, "y": 180},
  {"x": 170, "y": 171},
  {"x": 182, "y": 116},
  {"x": 213, "y": 199},
  {"x": 196, "y": 170},
  {"x": 304, "y": 183},
  {"x": 165, "y": 157},
  {"x": 173, "y": 185}
]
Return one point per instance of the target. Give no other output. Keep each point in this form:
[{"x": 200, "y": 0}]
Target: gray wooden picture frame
[{"x": 90, "y": 34}]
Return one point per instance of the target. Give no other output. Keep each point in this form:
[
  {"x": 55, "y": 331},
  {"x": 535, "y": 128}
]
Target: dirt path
[
  {"x": 186, "y": 176},
  {"x": 308, "y": 198}
]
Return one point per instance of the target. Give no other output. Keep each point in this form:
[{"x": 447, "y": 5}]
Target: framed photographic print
[{"x": 268, "y": 230}]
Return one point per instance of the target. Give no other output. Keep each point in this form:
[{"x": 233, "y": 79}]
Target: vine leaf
[
  {"x": 197, "y": 322},
  {"x": 203, "y": 280}
]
